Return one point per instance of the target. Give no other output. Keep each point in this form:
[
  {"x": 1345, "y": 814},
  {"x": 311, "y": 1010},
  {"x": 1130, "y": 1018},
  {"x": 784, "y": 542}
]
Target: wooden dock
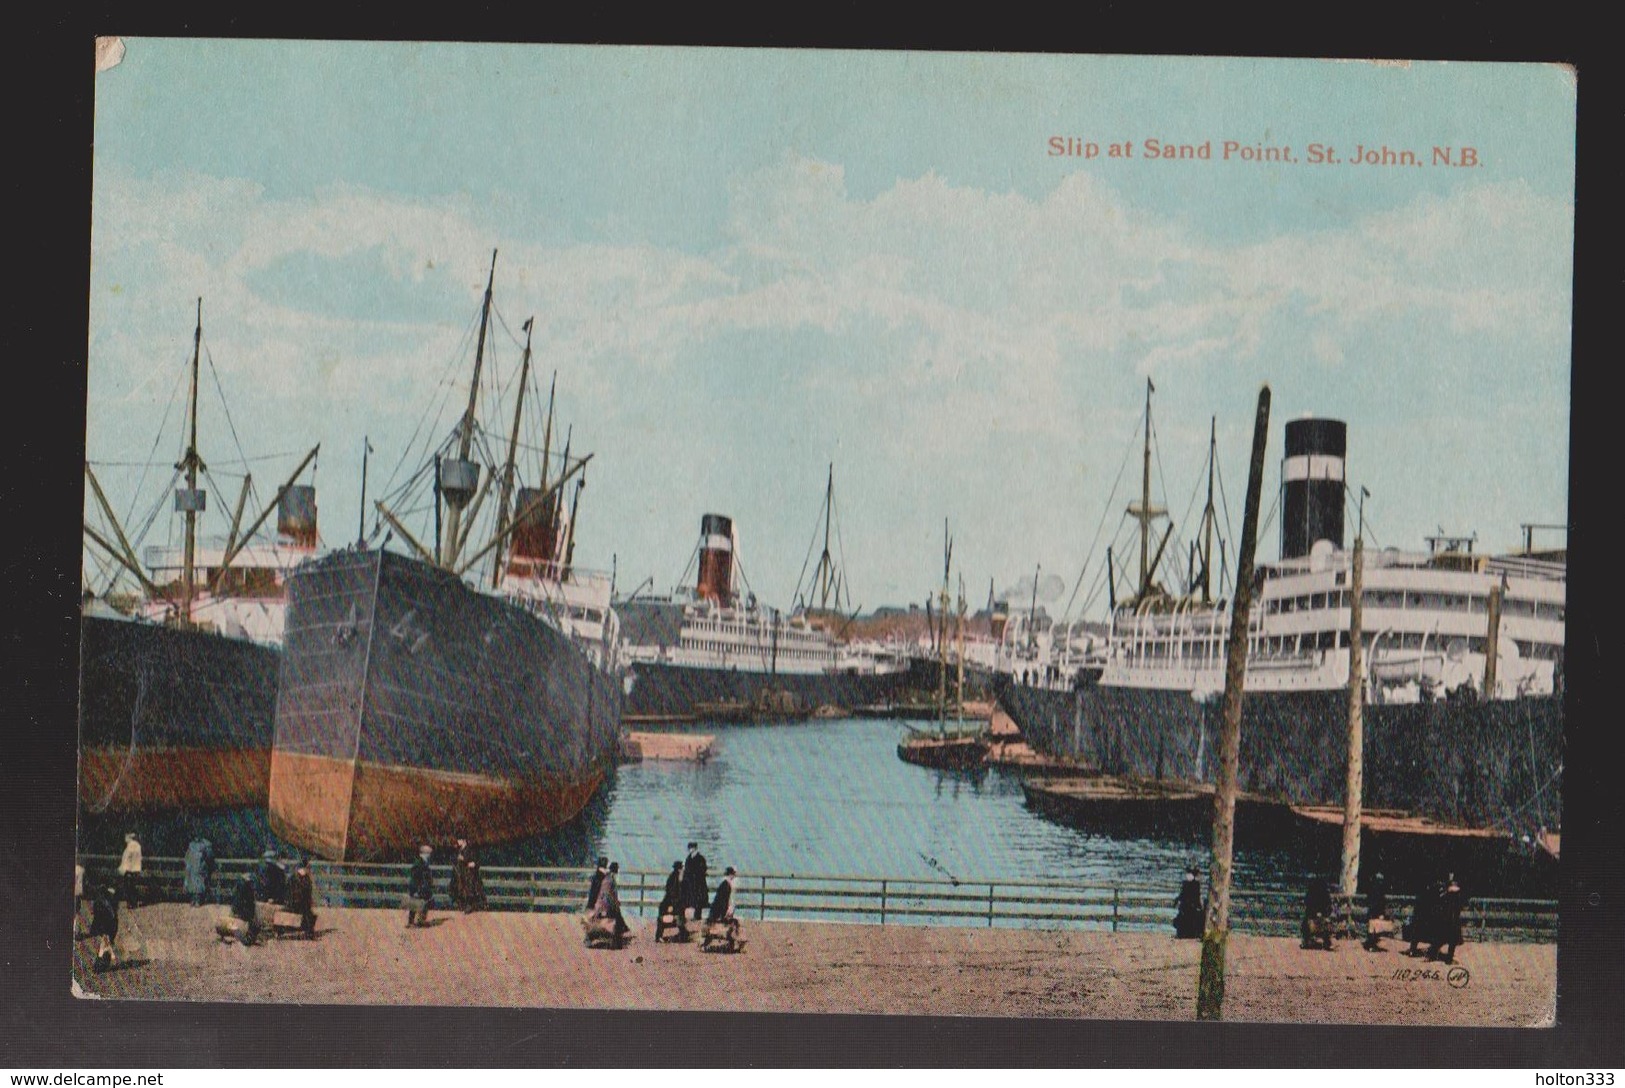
[{"x": 667, "y": 747}]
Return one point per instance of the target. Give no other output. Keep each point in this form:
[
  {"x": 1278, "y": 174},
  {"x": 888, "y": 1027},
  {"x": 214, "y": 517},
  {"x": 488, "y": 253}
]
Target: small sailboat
[{"x": 958, "y": 746}]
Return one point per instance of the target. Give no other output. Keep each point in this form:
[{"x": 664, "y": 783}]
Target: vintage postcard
[{"x": 823, "y": 531}]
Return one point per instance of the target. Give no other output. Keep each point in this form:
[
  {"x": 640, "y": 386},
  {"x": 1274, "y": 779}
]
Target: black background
[{"x": 48, "y": 174}]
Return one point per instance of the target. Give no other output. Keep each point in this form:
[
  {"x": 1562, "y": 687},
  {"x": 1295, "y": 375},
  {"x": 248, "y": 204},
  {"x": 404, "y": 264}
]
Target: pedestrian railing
[{"x": 1036, "y": 904}]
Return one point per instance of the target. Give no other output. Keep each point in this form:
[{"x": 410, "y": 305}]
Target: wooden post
[
  {"x": 1210, "y": 982},
  {"x": 882, "y": 902},
  {"x": 1492, "y": 641},
  {"x": 1354, "y": 786},
  {"x": 1116, "y": 893}
]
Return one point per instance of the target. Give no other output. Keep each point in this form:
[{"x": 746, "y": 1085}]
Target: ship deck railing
[{"x": 872, "y": 900}]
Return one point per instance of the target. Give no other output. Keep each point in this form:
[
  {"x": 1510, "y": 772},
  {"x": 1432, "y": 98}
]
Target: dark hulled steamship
[
  {"x": 710, "y": 648},
  {"x": 428, "y": 693},
  {"x": 1462, "y": 689},
  {"x": 177, "y": 691}
]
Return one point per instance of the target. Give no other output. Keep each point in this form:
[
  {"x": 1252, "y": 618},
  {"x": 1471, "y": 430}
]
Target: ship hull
[
  {"x": 1481, "y": 764},
  {"x": 661, "y": 690},
  {"x": 412, "y": 708},
  {"x": 172, "y": 719}
]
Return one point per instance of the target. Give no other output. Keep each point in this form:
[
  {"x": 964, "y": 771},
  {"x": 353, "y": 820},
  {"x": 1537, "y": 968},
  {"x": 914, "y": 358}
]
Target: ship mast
[
  {"x": 826, "y": 566},
  {"x": 1208, "y": 513},
  {"x": 513, "y": 450},
  {"x": 189, "y": 500},
  {"x": 465, "y": 428},
  {"x": 1143, "y": 511}
]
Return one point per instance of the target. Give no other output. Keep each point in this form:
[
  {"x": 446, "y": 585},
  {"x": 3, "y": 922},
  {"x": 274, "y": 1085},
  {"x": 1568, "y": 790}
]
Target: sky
[{"x": 745, "y": 266}]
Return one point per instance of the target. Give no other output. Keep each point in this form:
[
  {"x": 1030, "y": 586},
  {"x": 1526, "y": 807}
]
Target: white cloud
[{"x": 959, "y": 326}]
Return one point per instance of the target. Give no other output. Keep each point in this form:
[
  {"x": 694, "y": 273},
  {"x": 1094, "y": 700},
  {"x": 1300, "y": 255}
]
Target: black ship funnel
[
  {"x": 716, "y": 577},
  {"x": 1312, "y": 485},
  {"x": 296, "y": 515}
]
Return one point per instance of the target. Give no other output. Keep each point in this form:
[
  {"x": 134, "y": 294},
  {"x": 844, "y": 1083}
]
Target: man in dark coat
[
  {"x": 1188, "y": 914},
  {"x": 104, "y": 925},
  {"x": 722, "y": 907},
  {"x": 1424, "y": 915},
  {"x": 271, "y": 884},
  {"x": 301, "y": 898},
  {"x": 1447, "y": 923},
  {"x": 597, "y": 883},
  {"x": 696, "y": 892},
  {"x": 420, "y": 888},
  {"x": 467, "y": 886},
  {"x": 244, "y": 909},
  {"x": 671, "y": 906},
  {"x": 1317, "y": 915}
]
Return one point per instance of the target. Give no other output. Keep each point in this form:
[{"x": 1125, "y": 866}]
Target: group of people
[
  {"x": 687, "y": 893},
  {"x": 104, "y": 893},
  {"x": 467, "y": 883},
  {"x": 267, "y": 891},
  {"x": 1435, "y": 917},
  {"x": 1436, "y": 920}
]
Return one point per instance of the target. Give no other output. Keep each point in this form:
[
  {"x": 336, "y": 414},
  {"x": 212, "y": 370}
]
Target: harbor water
[{"x": 811, "y": 799}]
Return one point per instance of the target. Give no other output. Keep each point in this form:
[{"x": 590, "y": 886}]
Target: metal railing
[{"x": 1038, "y": 904}]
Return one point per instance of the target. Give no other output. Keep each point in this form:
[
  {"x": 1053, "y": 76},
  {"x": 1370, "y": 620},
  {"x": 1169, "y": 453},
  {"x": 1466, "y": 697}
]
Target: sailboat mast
[
  {"x": 959, "y": 653},
  {"x": 1032, "y": 613},
  {"x": 188, "y": 568},
  {"x": 513, "y": 451},
  {"x": 465, "y": 439}
]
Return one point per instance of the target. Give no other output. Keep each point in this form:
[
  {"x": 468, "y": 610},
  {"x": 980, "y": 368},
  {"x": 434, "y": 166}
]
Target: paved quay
[{"x": 367, "y": 956}]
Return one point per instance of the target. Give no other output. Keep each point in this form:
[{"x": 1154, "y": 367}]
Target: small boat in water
[
  {"x": 950, "y": 752},
  {"x": 958, "y": 746}
]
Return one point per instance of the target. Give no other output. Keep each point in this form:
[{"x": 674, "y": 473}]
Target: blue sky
[{"x": 745, "y": 265}]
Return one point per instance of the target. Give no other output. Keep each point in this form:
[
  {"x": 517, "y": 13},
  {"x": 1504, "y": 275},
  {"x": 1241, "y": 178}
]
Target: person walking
[
  {"x": 597, "y": 883},
  {"x": 129, "y": 869},
  {"x": 420, "y": 888},
  {"x": 1377, "y": 922},
  {"x": 271, "y": 883},
  {"x": 1317, "y": 915},
  {"x": 1188, "y": 912},
  {"x": 671, "y": 906},
  {"x": 722, "y": 907},
  {"x": 301, "y": 898},
  {"x": 1423, "y": 923},
  {"x": 696, "y": 892},
  {"x": 1447, "y": 923},
  {"x": 244, "y": 920},
  {"x": 104, "y": 926},
  {"x": 608, "y": 904},
  {"x": 467, "y": 886},
  {"x": 200, "y": 864}
]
